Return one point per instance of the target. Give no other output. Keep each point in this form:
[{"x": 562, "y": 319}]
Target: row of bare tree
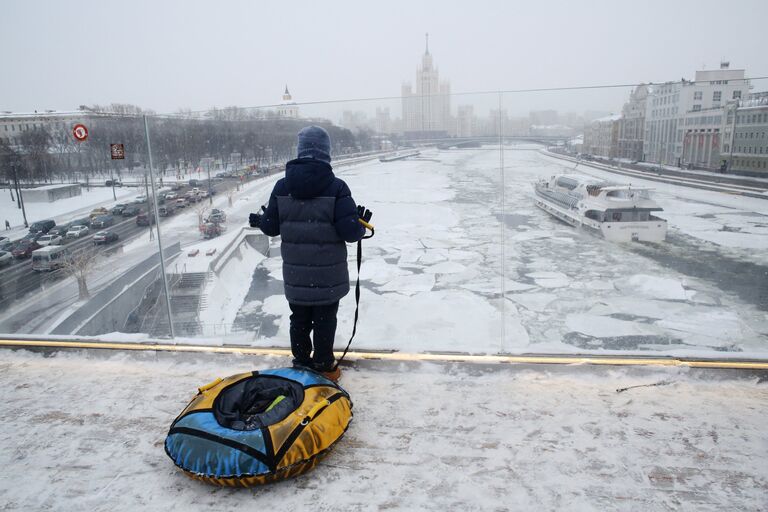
[{"x": 179, "y": 143}]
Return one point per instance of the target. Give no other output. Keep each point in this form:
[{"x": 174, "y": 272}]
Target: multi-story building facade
[
  {"x": 466, "y": 122},
  {"x": 746, "y": 148},
  {"x": 601, "y": 137},
  {"x": 57, "y": 124},
  {"x": 427, "y": 109},
  {"x": 668, "y": 104},
  {"x": 632, "y": 125},
  {"x": 702, "y": 139}
]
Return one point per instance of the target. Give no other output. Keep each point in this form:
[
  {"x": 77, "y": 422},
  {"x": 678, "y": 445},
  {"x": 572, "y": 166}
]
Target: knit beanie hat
[{"x": 314, "y": 142}]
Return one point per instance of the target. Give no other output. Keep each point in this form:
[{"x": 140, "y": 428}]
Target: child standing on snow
[{"x": 315, "y": 215}]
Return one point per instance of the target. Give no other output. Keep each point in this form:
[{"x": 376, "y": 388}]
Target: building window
[
  {"x": 696, "y": 108},
  {"x": 736, "y": 95},
  {"x": 697, "y": 95},
  {"x": 716, "y": 95}
]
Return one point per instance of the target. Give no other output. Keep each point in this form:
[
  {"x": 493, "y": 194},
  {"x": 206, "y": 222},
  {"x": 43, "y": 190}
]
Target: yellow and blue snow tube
[{"x": 254, "y": 428}]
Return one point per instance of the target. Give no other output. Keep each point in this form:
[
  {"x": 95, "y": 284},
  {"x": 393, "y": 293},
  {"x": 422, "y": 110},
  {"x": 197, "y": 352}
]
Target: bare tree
[
  {"x": 80, "y": 265},
  {"x": 201, "y": 209}
]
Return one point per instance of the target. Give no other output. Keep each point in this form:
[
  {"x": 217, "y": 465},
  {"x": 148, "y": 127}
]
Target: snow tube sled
[{"x": 254, "y": 428}]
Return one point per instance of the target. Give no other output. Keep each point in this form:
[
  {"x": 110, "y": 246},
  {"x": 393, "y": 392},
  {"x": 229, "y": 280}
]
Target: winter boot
[{"x": 332, "y": 375}]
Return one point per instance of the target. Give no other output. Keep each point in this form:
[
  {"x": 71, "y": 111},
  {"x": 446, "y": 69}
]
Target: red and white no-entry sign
[{"x": 80, "y": 132}]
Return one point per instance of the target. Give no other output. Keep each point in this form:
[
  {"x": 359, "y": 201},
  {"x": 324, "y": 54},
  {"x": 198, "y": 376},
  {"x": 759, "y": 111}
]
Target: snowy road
[{"x": 433, "y": 273}]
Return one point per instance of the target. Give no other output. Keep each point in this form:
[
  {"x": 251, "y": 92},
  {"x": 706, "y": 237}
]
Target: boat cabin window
[{"x": 567, "y": 183}]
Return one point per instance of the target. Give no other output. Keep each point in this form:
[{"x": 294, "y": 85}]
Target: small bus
[{"x": 51, "y": 257}]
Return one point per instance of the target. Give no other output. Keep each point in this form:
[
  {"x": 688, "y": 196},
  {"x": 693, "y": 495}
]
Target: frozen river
[{"x": 434, "y": 273}]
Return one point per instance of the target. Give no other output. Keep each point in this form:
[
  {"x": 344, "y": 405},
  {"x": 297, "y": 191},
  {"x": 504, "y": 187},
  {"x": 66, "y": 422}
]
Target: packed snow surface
[{"x": 86, "y": 432}]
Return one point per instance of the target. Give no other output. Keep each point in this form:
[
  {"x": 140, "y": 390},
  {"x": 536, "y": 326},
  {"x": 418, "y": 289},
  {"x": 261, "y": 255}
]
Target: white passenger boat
[{"x": 620, "y": 213}]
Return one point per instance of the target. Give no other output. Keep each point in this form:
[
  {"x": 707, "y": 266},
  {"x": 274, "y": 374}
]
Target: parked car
[
  {"x": 24, "y": 248},
  {"x": 102, "y": 221},
  {"x": 118, "y": 209},
  {"x": 50, "y": 239},
  {"x": 98, "y": 212},
  {"x": 144, "y": 218},
  {"x": 42, "y": 226},
  {"x": 77, "y": 232},
  {"x": 7, "y": 246},
  {"x": 181, "y": 203},
  {"x": 166, "y": 210},
  {"x": 131, "y": 210},
  {"x": 105, "y": 237},
  {"x": 3, "y": 239},
  {"x": 5, "y": 258}
]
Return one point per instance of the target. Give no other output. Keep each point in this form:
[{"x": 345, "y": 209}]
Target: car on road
[
  {"x": 130, "y": 210},
  {"x": 118, "y": 209},
  {"x": 77, "y": 232},
  {"x": 192, "y": 196},
  {"x": 85, "y": 221},
  {"x": 50, "y": 239},
  {"x": 170, "y": 196},
  {"x": 105, "y": 237},
  {"x": 3, "y": 239},
  {"x": 5, "y": 258},
  {"x": 49, "y": 258},
  {"x": 98, "y": 212},
  {"x": 60, "y": 230},
  {"x": 7, "y": 246},
  {"x": 102, "y": 221},
  {"x": 24, "y": 248},
  {"x": 181, "y": 203},
  {"x": 42, "y": 226},
  {"x": 144, "y": 218},
  {"x": 194, "y": 183},
  {"x": 113, "y": 183},
  {"x": 166, "y": 210},
  {"x": 217, "y": 216},
  {"x": 34, "y": 237}
]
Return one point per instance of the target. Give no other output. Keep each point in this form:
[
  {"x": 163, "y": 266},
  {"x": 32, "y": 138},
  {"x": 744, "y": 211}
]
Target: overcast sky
[{"x": 171, "y": 54}]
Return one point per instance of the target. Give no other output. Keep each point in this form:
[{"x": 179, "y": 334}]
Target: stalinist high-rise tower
[{"x": 427, "y": 111}]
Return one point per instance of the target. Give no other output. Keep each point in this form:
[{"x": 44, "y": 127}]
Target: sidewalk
[{"x": 85, "y": 431}]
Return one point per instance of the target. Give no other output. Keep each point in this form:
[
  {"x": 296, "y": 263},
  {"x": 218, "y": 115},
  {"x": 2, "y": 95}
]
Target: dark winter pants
[{"x": 321, "y": 320}]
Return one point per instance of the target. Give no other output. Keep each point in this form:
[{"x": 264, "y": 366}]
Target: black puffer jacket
[{"x": 315, "y": 214}]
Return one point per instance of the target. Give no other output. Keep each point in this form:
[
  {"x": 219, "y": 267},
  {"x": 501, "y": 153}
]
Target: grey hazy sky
[{"x": 167, "y": 54}]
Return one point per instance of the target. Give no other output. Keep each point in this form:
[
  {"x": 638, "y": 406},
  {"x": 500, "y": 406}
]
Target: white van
[{"x": 50, "y": 257}]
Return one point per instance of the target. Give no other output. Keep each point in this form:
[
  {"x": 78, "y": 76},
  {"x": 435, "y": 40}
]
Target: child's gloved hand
[
  {"x": 254, "y": 219},
  {"x": 364, "y": 213}
]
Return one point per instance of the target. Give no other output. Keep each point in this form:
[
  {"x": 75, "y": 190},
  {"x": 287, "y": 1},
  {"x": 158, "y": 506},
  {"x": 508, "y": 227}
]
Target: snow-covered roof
[{"x": 612, "y": 117}]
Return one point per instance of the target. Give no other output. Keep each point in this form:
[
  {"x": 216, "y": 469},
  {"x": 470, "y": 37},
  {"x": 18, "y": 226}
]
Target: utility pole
[
  {"x": 210, "y": 196},
  {"x": 14, "y": 165}
]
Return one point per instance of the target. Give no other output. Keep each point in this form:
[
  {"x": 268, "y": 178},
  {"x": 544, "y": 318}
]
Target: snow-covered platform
[{"x": 85, "y": 431}]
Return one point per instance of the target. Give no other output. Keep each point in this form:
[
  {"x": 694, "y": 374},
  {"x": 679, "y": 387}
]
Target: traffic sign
[
  {"x": 80, "y": 132},
  {"x": 117, "y": 151}
]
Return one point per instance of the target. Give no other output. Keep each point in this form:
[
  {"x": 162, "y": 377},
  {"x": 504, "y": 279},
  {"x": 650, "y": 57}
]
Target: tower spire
[{"x": 426, "y": 35}]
